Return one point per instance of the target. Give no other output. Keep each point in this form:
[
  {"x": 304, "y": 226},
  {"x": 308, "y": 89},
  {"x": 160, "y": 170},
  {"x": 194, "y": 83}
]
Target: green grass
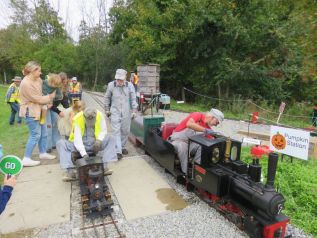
[
  {"x": 297, "y": 181},
  {"x": 12, "y": 138}
]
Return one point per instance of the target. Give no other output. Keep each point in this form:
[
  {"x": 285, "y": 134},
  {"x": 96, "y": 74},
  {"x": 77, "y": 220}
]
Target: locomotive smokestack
[{"x": 271, "y": 170}]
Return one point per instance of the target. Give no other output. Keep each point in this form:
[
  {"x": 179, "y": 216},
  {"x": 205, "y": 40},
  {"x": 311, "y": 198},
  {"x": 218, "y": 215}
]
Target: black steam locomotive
[
  {"x": 95, "y": 196},
  {"x": 228, "y": 184}
]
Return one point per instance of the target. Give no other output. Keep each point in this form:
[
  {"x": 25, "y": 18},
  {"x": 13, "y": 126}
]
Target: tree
[
  {"x": 46, "y": 23},
  {"x": 223, "y": 48}
]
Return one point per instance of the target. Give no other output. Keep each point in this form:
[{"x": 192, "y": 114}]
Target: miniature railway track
[
  {"x": 98, "y": 97},
  {"x": 105, "y": 226}
]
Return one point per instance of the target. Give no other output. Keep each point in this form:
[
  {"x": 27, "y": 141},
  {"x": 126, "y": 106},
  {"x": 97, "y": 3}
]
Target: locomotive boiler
[
  {"x": 95, "y": 196},
  {"x": 228, "y": 184}
]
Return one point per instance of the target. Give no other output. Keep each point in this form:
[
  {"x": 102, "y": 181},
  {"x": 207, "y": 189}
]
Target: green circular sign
[{"x": 10, "y": 164}]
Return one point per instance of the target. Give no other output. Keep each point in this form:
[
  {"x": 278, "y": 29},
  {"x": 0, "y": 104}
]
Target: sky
[{"x": 70, "y": 11}]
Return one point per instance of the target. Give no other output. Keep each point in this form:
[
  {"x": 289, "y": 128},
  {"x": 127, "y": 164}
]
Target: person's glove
[
  {"x": 97, "y": 146},
  {"x": 86, "y": 157},
  {"x": 212, "y": 132},
  {"x": 133, "y": 115},
  {"x": 108, "y": 113}
]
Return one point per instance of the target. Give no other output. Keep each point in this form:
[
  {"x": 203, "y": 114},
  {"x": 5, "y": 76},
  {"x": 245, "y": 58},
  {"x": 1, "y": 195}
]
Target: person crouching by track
[
  {"x": 88, "y": 135},
  {"x": 13, "y": 99},
  {"x": 193, "y": 123},
  {"x": 121, "y": 105}
]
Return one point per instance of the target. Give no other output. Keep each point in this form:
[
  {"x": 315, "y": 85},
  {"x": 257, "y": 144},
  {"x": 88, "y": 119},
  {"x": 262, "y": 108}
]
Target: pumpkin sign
[{"x": 278, "y": 141}]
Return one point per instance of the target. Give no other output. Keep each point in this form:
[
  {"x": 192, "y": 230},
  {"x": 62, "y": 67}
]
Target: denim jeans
[
  {"x": 37, "y": 135},
  {"x": 15, "y": 107},
  {"x": 52, "y": 131}
]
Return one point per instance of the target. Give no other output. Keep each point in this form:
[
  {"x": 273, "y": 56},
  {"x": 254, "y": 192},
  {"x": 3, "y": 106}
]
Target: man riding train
[
  {"x": 88, "y": 135},
  {"x": 193, "y": 123}
]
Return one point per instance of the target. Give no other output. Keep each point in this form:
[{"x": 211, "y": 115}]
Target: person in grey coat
[{"x": 121, "y": 107}]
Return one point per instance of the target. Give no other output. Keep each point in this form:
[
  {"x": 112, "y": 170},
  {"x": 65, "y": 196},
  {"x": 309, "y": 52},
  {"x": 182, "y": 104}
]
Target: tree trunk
[{"x": 96, "y": 68}]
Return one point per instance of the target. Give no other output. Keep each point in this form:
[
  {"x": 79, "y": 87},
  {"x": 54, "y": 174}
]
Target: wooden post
[
  {"x": 183, "y": 94},
  {"x": 5, "y": 77}
]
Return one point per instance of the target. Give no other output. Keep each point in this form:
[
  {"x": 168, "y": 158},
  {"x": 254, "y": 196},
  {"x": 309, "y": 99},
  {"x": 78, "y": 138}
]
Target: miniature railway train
[
  {"x": 95, "y": 196},
  {"x": 229, "y": 185}
]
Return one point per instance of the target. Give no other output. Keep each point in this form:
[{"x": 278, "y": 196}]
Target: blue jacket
[{"x": 5, "y": 195}]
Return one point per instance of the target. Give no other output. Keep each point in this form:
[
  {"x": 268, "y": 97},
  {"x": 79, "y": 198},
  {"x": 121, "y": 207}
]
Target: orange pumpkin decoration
[{"x": 278, "y": 141}]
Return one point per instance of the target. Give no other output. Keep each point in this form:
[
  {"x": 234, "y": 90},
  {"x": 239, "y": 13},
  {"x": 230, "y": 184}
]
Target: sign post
[
  {"x": 291, "y": 142},
  {"x": 10, "y": 165},
  {"x": 281, "y": 110}
]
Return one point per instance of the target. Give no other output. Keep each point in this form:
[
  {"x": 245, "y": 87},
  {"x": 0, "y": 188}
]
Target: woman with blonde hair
[
  {"x": 65, "y": 123},
  {"x": 32, "y": 101}
]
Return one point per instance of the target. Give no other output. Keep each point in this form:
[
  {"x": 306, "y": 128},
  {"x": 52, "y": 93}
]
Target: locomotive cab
[{"x": 206, "y": 174}]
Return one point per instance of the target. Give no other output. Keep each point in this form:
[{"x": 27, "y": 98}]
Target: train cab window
[
  {"x": 215, "y": 155},
  {"x": 234, "y": 153}
]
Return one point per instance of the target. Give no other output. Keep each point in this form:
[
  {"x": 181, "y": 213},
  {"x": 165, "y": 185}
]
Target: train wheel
[{"x": 190, "y": 187}]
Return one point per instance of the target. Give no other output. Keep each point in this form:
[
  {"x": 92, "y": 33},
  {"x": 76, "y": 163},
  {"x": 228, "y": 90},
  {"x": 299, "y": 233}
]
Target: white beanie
[
  {"x": 121, "y": 74},
  {"x": 217, "y": 114}
]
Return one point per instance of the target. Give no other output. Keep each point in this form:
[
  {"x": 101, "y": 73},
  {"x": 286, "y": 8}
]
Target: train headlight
[{"x": 215, "y": 155}]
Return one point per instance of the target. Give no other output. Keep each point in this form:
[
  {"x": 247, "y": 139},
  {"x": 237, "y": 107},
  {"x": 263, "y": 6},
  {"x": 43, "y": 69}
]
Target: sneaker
[
  {"x": 27, "y": 162},
  {"x": 69, "y": 176},
  {"x": 119, "y": 156},
  {"x": 124, "y": 151},
  {"x": 107, "y": 171},
  {"x": 47, "y": 156}
]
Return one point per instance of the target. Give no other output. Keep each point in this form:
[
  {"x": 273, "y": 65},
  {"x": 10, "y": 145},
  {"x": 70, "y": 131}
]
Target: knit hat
[
  {"x": 217, "y": 114},
  {"x": 90, "y": 117}
]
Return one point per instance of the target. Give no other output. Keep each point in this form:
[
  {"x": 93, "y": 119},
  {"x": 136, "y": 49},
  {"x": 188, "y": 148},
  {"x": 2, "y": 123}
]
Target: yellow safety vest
[
  {"x": 74, "y": 88},
  {"x": 15, "y": 96},
  {"x": 79, "y": 120},
  {"x": 136, "y": 79}
]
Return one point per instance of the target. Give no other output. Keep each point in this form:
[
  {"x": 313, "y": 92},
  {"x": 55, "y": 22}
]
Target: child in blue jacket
[{"x": 6, "y": 191}]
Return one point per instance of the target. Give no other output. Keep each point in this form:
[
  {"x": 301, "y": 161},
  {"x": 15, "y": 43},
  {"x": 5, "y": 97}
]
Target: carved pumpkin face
[{"x": 278, "y": 141}]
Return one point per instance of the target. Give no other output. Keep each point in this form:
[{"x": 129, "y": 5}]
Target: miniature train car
[{"x": 230, "y": 185}]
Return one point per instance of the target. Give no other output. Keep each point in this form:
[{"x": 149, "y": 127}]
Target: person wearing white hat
[
  {"x": 13, "y": 99},
  {"x": 121, "y": 107},
  {"x": 74, "y": 90},
  {"x": 195, "y": 122}
]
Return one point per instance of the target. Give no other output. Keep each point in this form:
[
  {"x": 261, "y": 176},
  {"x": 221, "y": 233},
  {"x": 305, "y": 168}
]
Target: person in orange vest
[
  {"x": 74, "y": 89},
  {"x": 134, "y": 79},
  {"x": 13, "y": 99},
  {"x": 75, "y": 86}
]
